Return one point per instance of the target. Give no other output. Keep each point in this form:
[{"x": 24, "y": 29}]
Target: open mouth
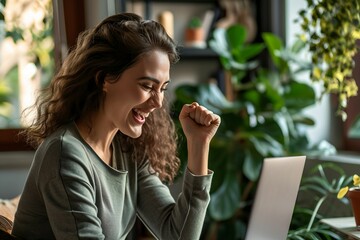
[{"x": 139, "y": 116}]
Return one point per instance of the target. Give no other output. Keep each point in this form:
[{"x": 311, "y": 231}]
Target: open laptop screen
[{"x": 275, "y": 198}]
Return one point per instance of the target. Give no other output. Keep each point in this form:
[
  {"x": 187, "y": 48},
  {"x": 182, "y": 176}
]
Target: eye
[
  {"x": 164, "y": 87},
  {"x": 150, "y": 87},
  {"x": 147, "y": 87}
]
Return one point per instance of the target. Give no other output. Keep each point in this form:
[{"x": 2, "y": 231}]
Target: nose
[{"x": 156, "y": 99}]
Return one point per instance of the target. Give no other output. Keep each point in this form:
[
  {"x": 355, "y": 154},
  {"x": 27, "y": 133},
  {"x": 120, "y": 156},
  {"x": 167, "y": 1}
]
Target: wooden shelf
[
  {"x": 10, "y": 140},
  {"x": 178, "y": 1},
  {"x": 197, "y": 53}
]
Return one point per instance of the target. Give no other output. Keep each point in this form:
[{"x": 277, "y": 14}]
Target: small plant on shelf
[
  {"x": 195, "y": 22},
  {"x": 194, "y": 34},
  {"x": 353, "y": 194},
  {"x": 343, "y": 191}
]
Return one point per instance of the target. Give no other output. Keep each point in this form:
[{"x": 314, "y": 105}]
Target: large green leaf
[
  {"x": 219, "y": 43},
  {"x": 236, "y": 36},
  {"x": 249, "y": 51},
  {"x": 186, "y": 93},
  {"x": 233, "y": 51},
  {"x": 239, "y": 65},
  {"x": 299, "y": 96},
  {"x": 270, "y": 85},
  {"x": 218, "y": 161},
  {"x": 232, "y": 122},
  {"x": 271, "y": 127},
  {"x": 267, "y": 146},
  {"x": 225, "y": 201},
  {"x": 284, "y": 122},
  {"x": 252, "y": 165},
  {"x": 302, "y": 119},
  {"x": 322, "y": 148},
  {"x": 275, "y": 46},
  {"x": 208, "y": 95}
]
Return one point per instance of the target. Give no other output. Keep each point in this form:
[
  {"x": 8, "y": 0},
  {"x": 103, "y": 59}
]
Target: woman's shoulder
[
  {"x": 66, "y": 131},
  {"x": 66, "y": 139},
  {"x": 62, "y": 149}
]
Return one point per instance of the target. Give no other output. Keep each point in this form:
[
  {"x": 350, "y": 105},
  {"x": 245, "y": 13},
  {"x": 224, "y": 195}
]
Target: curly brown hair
[{"x": 76, "y": 90}]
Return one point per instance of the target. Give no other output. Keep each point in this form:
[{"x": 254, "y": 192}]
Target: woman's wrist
[{"x": 198, "y": 153}]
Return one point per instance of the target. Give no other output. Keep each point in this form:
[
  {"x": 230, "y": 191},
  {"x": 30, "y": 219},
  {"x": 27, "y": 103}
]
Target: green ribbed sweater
[{"x": 70, "y": 193}]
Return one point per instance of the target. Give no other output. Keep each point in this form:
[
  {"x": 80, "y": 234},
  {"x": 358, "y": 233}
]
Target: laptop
[{"x": 275, "y": 198}]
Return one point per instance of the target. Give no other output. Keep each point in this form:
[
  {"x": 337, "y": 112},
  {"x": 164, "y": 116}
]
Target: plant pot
[
  {"x": 354, "y": 196},
  {"x": 194, "y": 37}
]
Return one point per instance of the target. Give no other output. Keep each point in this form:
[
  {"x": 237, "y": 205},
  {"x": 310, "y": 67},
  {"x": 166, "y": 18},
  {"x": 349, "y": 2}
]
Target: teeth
[{"x": 143, "y": 114}]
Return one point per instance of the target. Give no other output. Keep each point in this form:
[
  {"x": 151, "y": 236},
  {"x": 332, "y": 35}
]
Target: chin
[{"x": 133, "y": 134}]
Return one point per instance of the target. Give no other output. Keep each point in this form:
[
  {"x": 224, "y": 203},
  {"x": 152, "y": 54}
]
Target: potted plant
[
  {"x": 194, "y": 34},
  {"x": 316, "y": 198},
  {"x": 353, "y": 194},
  {"x": 331, "y": 30},
  {"x": 264, "y": 119}
]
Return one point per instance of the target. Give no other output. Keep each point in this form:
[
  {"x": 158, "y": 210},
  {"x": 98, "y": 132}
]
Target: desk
[{"x": 345, "y": 227}]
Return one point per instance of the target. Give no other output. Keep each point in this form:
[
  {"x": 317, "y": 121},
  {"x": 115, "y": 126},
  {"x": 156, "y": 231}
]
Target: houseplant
[
  {"x": 343, "y": 191},
  {"x": 316, "y": 199},
  {"x": 264, "y": 119},
  {"x": 194, "y": 33},
  {"x": 353, "y": 194},
  {"x": 331, "y": 29}
]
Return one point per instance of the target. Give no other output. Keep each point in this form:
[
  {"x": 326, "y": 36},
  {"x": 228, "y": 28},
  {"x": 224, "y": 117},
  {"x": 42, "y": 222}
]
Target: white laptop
[{"x": 275, "y": 198}]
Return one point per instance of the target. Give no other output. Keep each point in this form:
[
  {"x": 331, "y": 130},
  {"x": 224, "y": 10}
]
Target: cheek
[{"x": 126, "y": 98}]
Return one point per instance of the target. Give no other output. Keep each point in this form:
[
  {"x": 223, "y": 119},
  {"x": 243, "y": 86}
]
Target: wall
[
  {"x": 13, "y": 171},
  {"x": 185, "y": 71}
]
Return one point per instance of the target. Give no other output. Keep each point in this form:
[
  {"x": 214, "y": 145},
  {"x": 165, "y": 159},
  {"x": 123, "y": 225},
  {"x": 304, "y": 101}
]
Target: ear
[{"x": 100, "y": 80}]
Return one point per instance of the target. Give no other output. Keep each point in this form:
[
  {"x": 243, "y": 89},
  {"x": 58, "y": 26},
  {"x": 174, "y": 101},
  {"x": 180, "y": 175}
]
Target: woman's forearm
[{"x": 198, "y": 153}]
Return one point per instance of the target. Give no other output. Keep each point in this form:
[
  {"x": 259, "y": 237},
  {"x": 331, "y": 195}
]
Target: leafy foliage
[
  {"x": 331, "y": 29},
  {"x": 265, "y": 119},
  {"x": 194, "y": 22},
  {"x": 321, "y": 187}
]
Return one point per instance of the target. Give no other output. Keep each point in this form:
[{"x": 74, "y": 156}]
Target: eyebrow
[{"x": 152, "y": 79}]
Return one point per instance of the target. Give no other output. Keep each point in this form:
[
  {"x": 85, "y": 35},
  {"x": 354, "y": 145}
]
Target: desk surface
[{"x": 345, "y": 225}]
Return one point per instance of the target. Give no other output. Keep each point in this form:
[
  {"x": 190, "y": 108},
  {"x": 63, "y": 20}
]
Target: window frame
[
  {"x": 69, "y": 21},
  {"x": 352, "y": 110}
]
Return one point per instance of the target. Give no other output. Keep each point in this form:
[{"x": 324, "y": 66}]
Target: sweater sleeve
[
  {"x": 164, "y": 217},
  {"x": 68, "y": 193}
]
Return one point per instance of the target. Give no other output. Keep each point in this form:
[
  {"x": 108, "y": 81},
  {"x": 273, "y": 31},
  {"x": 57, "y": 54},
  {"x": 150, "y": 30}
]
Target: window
[
  {"x": 57, "y": 23},
  {"x": 26, "y": 57}
]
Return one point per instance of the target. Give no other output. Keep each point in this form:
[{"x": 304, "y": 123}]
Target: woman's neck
[{"x": 99, "y": 139}]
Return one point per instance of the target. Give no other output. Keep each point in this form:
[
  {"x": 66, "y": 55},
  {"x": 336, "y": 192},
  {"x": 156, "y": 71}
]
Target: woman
[{"x": 106, "y": 142}]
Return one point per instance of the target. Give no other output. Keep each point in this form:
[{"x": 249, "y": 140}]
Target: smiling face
[{"x": 137, "y": 93}]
